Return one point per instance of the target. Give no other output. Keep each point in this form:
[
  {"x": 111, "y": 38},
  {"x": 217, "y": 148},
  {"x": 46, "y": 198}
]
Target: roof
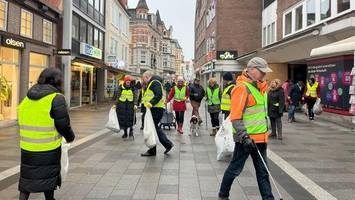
[
  {"x": 132, "y": 13},
  {"x": 159, "y": 21},
  {"x": 142, "y": 4},
  {"x": 342, "y": 46}
]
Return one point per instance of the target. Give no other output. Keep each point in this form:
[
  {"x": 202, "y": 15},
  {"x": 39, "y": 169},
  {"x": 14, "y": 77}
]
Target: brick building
[
  {"x": 30, "y": 32},
  {"x": 151, "y": 43},
  {"x": 224, "y": 30}
]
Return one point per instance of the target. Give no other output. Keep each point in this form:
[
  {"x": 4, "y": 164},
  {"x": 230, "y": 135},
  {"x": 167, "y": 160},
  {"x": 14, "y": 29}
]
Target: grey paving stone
[
  {"x": 166, "y": 197},
  {"x": 168, "y": 180},
  {"x": 168, "y": 189},
  {"x": 100, "y": 192}
]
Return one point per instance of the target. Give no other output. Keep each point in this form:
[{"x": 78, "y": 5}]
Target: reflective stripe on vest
[
  {"x": 312, "y": 90},
  {"x": 37, "y": 129},
  {"x": 213, "y": 98},
  {"x": 149, "y": 95},
  {"x": 254, "y": 117},
  {"x": 226, "y": 99},
  {"x": 126, "y": 95},
  {"x": 180, "y": 94}
]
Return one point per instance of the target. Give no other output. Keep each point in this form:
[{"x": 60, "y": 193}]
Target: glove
[
  {"x": 148, "y": 105},
  {"x": 249, "y": 144},
  {"x": 135, "y": 107}
]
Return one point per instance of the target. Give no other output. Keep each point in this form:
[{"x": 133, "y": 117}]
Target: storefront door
[
  {"x": 9, "y": 78},
  {"x": 81, "y": 84},
  {"x": 75, "y": 87}
]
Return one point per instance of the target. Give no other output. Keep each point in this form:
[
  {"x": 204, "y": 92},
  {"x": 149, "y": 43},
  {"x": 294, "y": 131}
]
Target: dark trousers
[
  {"x": 225, "y": 114},
  {"x": 179, "y": 116},
  {"x": 291, "y": 112},
  {"x": 276, "y": 126},
  {"x": 310, "y": 104},
  {"x": 157, "y": 115},
  {"x": 130, "y": 130},
  {"x": 48, "y": 195},
  {"x": 236, "y": 166},
  {"x": 143, "y": 115},
  {"x": 215, "y": 120}
]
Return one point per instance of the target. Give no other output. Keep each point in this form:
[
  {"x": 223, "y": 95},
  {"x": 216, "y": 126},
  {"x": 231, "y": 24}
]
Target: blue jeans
[
  {"x": 291, "y": 112},
  {"x": 236, "y": 166}
]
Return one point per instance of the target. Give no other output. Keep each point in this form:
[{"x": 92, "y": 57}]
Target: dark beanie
[{"x": 228, "y": 76}]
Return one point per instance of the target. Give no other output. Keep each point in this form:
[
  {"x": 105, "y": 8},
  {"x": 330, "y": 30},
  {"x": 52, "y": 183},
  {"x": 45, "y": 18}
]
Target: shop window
[
  {"x": 38, "y": 62},
  {"x": 143, "y": 57},
  {"x": 3, "y": 14},
  {"x": 47, "y": 31},
  {"x": 96, "y": 37},
  {"x": 75, "y": 27},
  {"x": 311, "y": 12},
  {"x": 299, "y": 18},
  {"x": 90, "y": 37},
  {"x": 343, "y": 5},
  {"x": 325, "y": 8},
  {"x": 26, "y": 23},
  {"x": 288, "y": 23},
  {"x": 83, "y": 34}
]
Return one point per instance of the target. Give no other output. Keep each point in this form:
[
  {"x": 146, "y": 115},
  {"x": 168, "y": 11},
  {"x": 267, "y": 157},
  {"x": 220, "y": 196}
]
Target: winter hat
[
  {"x": 128, "y": 78},
  {"x": 228, "y": 76},
  {"x": 259, "y": 63}
]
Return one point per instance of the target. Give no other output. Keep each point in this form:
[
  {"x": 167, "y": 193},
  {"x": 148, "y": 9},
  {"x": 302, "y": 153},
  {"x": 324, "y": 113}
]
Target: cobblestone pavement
[{"x": 112, "y": 168}]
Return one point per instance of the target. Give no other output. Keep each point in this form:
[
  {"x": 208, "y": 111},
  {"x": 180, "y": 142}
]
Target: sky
[{"x": 181, "y": 15}]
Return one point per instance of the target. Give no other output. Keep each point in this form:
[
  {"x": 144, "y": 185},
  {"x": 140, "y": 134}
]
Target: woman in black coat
[
  {"x": 40, "y": 171},
  {"x": 276, "y": 104},
  {"x": 126, "y": 109}
]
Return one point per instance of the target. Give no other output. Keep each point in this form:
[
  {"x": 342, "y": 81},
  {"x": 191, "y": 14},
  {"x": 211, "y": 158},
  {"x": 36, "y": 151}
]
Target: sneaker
[{"x": 168, "y": 149}]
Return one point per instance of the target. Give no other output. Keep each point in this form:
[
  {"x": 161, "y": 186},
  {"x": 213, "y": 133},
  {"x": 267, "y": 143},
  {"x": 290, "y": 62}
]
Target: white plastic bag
[
  {"x": 224, "y": 140},
  {"x": 317, "y": 108},
  {"x": 169, "y": 107},
  {"x": 112, "y": 123},
  {"x": 64, "y": 161},
  {"x": 149, "y": 131}
]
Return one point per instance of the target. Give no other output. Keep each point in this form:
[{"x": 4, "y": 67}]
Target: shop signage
[
  {"x": 207, "y": 68},
  {"x": 112, "y": 61},
  {"x": 227, "y": 55},
  {"x": 62, "y": 52},
  {"x": 90, "y": 51},
  {"x": 11, "y": 42},
  {"x": 211, "y": 56}
]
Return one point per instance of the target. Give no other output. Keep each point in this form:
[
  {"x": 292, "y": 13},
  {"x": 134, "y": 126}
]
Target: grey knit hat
[{"x": 259, "y": 63}]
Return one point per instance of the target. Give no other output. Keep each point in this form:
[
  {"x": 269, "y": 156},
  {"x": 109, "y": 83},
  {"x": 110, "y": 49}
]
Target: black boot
[
  {"x": 150, "y": 152},
  {"x": 124, "y": 136}
]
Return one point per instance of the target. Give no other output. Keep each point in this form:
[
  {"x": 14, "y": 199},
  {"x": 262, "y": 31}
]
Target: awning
[
  {"x": 341, "y": 47},
  {"x": 97, "y": 64}
]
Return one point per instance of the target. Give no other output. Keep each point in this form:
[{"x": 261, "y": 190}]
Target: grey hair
[{"x": 148, "y": 74}]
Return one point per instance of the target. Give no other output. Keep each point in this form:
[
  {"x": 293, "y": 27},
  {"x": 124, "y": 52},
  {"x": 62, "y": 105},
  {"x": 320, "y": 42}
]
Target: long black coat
[
  {"x": 40, "y": 171},
  {"x": 276, "y": 97},
  {"x": 125, "y": 110}
]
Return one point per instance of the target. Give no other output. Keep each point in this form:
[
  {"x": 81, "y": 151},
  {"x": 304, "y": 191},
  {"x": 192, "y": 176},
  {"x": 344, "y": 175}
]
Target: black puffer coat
[
  {"x": 40, "y": 171},
  {"x": 125, "y": 110},
  {"x": 276, "y": 103}
]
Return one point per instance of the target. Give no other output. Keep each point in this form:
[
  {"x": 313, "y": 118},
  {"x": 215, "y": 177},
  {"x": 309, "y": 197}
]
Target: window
[
  {"x": 47, "y": 31},
  {"x": 165, "y": 62},
  {"x": 91, "y": 2},
  {"x": 3, "y": 14},
  {"x": 90, "y": 34},
  {"x": 38, "y": 62},
  {"x": 101, "y": 40},
  {"x": 113, "y": 47},
  {"x": 299, "y": 18},
  {"x": 269, "y": 34},
  {"x": 102, "y": 9},
  {"x": 96, "y": 37},
  {"x": 343, "y": 5},
  {"x": 97, "y": 5},
  {"x": 122, "y": 53},
  {"x": 83, "y": 27},
  {"x": 273, "y": 35},
  {"x": 311, "y": 12},
  {"x": 26, "y": 23},
  {"x": 120, "y": 21},
  {"x": 288, "y": 23},
  {"x": 75, "y": 27},
  {"x": 115, "y": 15},
  {"x": 325, "y": 9},
  {"x": 264, "y": 36},
  {"x": 143, "y": 57}
]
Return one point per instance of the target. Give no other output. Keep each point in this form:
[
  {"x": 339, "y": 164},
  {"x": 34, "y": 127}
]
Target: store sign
[
  {"x": 11, "y": 42},
  {"x": 112, "y": 61},
  {"x": 207, "y": 68},
  {"x": 90, "y": 51},
  {"x": 62, "y": 52},
  {"x": 211, "y": 56},
  {"x": 227, "y": 55}
]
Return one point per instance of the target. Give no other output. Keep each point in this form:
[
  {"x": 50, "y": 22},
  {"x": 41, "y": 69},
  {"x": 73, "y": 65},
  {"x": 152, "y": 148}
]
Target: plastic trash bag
[
  {"x": 305, "y": 109},
  {"x": 169, "y": 107},
  {"x": 149, "y": 131},
  {"x": 112, "y": 123},
  {"x": 317, "y": 108},
  {"x": 64, "y": 161},
  {"x": 224, "y": 140}
]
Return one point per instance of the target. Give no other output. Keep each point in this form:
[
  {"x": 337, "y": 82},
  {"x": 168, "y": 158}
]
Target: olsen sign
[
  {"x": 90, "y": 51},
  {"x": 11, "y": 42}
]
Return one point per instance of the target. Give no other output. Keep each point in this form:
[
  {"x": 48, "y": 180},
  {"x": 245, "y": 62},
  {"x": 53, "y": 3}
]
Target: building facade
[
  {"x": 151, "y": 45},
  {"x": 30, "y": 33},
  {"x": 224, "y": 30}
]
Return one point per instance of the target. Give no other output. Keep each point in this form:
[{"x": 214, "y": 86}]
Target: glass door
[{"x": 75, "y": 86}]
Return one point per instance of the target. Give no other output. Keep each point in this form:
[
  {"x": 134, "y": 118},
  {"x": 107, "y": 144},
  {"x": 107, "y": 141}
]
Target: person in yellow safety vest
[
  {"x": 43, "y": 120},
  {"x": 126, "y": 106},
  {"x": 311, "y": 95},
  {"x": 153, "y": 99},
  {"x": 250, "y": 129},
  {"x": 228, "y": 83},
  {"x": 180, "y": 94},
  {"x": 213, "y": 98}
]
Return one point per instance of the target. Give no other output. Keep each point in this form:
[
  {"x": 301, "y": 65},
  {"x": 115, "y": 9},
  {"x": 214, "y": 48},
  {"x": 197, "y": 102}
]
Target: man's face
[
  {"x": 145, "y": 79},
  {"x": 258, "y": 74}
]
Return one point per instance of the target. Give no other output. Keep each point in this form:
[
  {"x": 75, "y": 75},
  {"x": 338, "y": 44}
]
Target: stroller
[{"x": 168, "y": 120}]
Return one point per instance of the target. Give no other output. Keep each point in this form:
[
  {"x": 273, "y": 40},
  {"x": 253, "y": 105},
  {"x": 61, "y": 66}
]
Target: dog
[{"x": 194, "y": 125}]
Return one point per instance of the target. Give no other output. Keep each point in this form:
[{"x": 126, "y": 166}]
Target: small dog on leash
[{"x": 194, "y": 125}]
